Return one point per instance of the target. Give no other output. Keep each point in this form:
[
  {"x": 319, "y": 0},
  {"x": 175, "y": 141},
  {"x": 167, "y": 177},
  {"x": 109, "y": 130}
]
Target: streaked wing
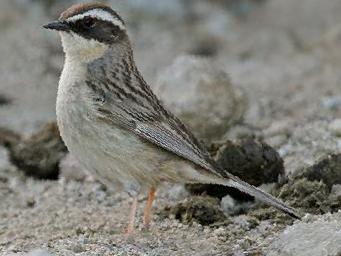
[
  {"x": 148, "y": 119},
  {"x": 165, "y": 136}
]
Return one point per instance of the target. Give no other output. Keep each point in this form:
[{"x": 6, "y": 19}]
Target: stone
[
  {"x": 201, "y": 95},
  {"x": 70, "y": 169},
  {"x": 232, "y": 207},
  {"x": 335, "y": 127},
  {"x": 320, "y": 237}
]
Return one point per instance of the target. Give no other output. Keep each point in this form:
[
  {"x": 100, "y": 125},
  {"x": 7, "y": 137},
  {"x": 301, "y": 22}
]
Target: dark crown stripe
[{"x": 82, "y": 8}]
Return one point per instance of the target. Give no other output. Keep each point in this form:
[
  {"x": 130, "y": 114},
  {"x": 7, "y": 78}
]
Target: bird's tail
[{"x": 260, "y": 195}]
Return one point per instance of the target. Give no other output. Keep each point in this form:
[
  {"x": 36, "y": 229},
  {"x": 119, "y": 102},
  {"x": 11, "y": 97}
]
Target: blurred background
[
  {"x": 264, "y": 67},
  {"x": 268, "y": 69},
  {"x": 282, "y": 55}
]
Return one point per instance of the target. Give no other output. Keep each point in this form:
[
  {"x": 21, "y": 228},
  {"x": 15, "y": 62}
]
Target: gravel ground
[{"x": 283, "y": 60}]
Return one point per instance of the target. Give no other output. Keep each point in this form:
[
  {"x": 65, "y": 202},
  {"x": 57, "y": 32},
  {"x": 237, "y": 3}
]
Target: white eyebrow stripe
[{"x": 99, "y": 14}]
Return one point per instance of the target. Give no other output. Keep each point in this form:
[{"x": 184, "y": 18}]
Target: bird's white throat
[{"x": 81, "y": 49}]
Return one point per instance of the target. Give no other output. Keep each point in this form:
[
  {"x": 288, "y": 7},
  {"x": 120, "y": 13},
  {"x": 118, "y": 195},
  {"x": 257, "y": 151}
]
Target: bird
[{"x": 113, "y": 123}]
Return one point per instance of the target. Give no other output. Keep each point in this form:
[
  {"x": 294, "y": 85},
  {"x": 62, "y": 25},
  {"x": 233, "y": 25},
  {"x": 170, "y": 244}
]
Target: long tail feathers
[{"x": 261, "y": 195}]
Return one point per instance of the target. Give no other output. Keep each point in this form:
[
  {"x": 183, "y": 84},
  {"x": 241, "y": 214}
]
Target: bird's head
[{"x": 88, "y": 30}]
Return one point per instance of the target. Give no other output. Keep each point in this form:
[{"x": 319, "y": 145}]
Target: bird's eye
[{"x": 88, "y": 22}]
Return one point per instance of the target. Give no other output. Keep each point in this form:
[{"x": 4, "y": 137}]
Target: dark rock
[
  {"x": 250, "y": 159},
  {"x": 202, "y": 209},
  {"x": 39, "y": 155},
  {"x": 328, "y": 169}
]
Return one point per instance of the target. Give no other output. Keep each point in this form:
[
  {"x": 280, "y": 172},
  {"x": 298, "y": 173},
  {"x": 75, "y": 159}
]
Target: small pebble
[
  {"x": 335, "y": 127},
  {"x": 219, "y": 231},
  {"x": 77, "y": 248},
  {"x": 177, "y": 192},
  {"x": 38, "y": 252},
  {"x": 331, "y": 102},
  {"x": 336, "y": 190}
]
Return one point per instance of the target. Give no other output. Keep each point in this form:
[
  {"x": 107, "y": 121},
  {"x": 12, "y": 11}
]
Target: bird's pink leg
[
  {"x": 148, "y": 210},
  {"x": 131, "y": 223}
]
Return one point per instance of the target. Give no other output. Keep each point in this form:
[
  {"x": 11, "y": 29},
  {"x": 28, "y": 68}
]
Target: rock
[
  {"x": 277, "y": 133},
  {"x": 202, "y": 209},
  {"x": 201, "y": 95},
  {"x": 77, "y": 248},
  {"x": 335, "y": 127},
  {"x": 332, "y": 103},
  {"x": 321, "y": 237},
  {"x": 250, "y": 159},
  {"x": 327, "y": 169},
  {"x": 39, "y": 252},
  {"x": 336, "y": 190},
  {"x": 231, "y": 207},
  {"x": 70, "y": 169},
  {"x": 39, "y": 155},
  {"x": 177, "y": 192}
]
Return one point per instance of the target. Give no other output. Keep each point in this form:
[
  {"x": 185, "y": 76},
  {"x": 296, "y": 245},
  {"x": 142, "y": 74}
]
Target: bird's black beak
[{"x": 57, "y": 25}]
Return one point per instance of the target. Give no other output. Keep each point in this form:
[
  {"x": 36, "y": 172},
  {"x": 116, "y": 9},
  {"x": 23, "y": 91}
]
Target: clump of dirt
[
  {"x": 207, "y": 47},
  {"x": 310, "y": 196},
  {"x": 270, "y": 213},
  {"x": 39, "y": 155},
  {"x": 202, "y": 209},
  {"x": 328, "y": 170},
  {"x": 310, "y": 190},
  {"x": 250, "y": 159},
  {"x": 4, "y": 100},
  {"x": 9, "y": 138}
]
